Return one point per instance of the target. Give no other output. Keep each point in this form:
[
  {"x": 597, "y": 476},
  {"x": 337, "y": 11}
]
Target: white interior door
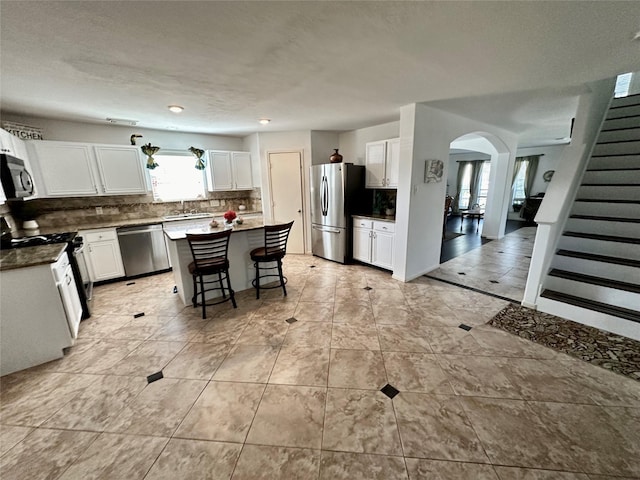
[{"x": 285, "y": 171}]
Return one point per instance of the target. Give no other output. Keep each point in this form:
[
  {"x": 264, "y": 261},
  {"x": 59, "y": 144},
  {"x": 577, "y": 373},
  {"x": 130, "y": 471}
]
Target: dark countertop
[
  {"x": 372, "y": 216},
  {"x": 13, "y": 258}
]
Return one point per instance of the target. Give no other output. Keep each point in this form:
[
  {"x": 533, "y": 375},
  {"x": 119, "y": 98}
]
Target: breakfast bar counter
[{"x": 244, "y": 238}]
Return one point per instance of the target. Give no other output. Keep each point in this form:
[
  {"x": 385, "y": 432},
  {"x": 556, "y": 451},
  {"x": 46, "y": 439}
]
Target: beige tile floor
[
  {"x": 500, "y": 267},
  {"x": 246, "y": 395}
]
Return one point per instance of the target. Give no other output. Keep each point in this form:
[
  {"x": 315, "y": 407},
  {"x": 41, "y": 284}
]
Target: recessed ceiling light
[
  {"x": 176, "y": 108},
  {"x": 264, "y": 121}
]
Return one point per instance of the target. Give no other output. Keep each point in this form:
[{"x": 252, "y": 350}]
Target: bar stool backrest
[
  {"x": 208, "y": 246},
  {"x": 275, "y": 238}
]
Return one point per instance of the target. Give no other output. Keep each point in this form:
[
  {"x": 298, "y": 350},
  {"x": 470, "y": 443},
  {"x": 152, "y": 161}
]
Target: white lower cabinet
[
  {"x": 373, "y": 242},
  {"x": 103, "y": 255}
]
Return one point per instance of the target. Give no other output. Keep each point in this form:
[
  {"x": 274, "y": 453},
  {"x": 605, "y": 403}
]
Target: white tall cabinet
[
  {"x": 229, "y": 171},
  {"x": 382, "y": 160},
  {"x": 70, "y": 169}
]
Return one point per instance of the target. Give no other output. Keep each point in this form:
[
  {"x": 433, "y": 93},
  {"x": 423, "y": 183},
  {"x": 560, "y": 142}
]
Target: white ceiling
[{"x": 311, "y": 65}]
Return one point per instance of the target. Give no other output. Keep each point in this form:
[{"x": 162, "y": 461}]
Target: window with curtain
[
  {"x": 465, "y": 192},
  {"x": 518, "y": 185},
  {"x": 176, "y": 179},
  {"x": 484, "y": 184}
]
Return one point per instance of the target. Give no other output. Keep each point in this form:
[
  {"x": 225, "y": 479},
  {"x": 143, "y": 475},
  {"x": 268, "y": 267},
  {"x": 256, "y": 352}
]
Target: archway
[{"x": 496, "y": 191}]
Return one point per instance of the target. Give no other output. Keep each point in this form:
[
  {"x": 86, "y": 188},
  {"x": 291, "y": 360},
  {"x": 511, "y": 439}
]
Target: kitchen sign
[{"x": 24, "y": 132}]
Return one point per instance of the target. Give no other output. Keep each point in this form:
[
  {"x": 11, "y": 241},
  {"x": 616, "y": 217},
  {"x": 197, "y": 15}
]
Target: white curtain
[{"x": 474, "y": 184}]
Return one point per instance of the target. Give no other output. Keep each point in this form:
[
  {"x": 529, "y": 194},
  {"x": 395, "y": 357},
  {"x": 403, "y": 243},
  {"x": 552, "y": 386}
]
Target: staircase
[{"x": 597, "y": 265}]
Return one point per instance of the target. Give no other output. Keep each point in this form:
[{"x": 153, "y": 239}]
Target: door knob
[{"x": 299, "y": 211}]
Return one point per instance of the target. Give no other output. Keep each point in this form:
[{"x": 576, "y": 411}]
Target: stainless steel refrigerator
[{"x": 337, "y": 192}]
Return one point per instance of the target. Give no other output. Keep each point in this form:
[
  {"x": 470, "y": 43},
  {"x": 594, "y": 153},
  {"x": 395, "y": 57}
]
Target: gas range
[
  {"x": 35, "y": 240},
  {"x": 73, "y": 247}
]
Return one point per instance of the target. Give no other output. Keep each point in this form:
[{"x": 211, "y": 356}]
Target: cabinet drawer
[
  {"x": 100, "y": 235},
  {"x": 384, "y": 226},
  {"x": 362, "y": 223}
]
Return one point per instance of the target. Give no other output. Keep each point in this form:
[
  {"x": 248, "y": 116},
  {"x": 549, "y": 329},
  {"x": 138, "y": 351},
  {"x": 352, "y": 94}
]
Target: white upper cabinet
[
  {"x": 68, "y": 169},
  {"x": 382, "y": 161},
  {"x": 65, "y": 169},
  {"x": 241, "y": 167},
  {"x": 375, "y": 164},
  {"x": 120, "y": 169},
  {"x": 219, "y": 175},
  {"x": 229, "y": 171}
]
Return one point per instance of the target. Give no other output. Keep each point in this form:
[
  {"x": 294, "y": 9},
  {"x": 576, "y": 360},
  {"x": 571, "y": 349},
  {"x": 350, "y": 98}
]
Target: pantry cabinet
[
  {"x": 229, "y": 171},
  {"x": 102, "y": 252},
  {"x": 373, "y": 242},
  {"x": 382, "y": 160},
  {"x": 69, "y": 169}
]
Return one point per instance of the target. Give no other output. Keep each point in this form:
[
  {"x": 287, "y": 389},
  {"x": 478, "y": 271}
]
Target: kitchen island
[{"x": 244, "y": 238}]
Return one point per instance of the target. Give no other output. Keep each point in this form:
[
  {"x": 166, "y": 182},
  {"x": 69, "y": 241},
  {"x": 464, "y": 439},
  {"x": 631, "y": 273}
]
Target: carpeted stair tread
[
  {"x": 606, "y": 219},
  {"x": 607, "y": 200},
  {"x": 603, "y": 282},
  {"x": 625, "y": 313},
  {"x": 604, "y": 238},
  {"x": 599, "y": 258}
]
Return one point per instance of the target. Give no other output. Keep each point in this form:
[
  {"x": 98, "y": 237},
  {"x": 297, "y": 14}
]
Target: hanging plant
[
  {"x": 150, "y": 150},
  {"x": 199, "y": 154}
]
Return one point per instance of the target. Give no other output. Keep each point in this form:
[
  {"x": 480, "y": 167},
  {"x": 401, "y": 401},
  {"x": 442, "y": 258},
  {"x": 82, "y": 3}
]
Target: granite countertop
[
  {"x": 75, "y": 227},
  {"x": 373, "y": 216},
  {"x": 13, "y": 258},
  {"x": 177, "y": 233}
]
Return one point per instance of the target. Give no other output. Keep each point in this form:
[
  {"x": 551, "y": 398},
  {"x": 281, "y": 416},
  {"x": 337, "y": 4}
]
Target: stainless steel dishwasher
[{"x": 143, "y": 249}]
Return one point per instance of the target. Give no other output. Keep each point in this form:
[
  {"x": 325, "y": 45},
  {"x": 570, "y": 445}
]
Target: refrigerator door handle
[
  {"x": 325, "y": 196},
  {"x": 326, "y": 229}
]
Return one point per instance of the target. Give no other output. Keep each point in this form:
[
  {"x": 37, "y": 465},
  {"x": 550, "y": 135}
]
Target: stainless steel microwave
[{"x": 16, "y": 180}]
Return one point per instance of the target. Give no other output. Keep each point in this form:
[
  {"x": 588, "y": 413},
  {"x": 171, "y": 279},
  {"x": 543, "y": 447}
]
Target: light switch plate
[{"x": 98, "y": 210}]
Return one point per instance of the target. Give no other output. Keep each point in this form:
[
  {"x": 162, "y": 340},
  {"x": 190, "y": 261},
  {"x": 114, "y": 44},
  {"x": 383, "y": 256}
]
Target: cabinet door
[
  {"x": 382, "y": 254},
  {"x": 120, "y": 170},
  {"x": 221, "y": 177},
  {"x": 362, "y": 244},
  {"x": 241, "y": 165},
  {"x": 393, "y": 163},
  {"x": 375, "y": 164},
  {"x": 66, "y": 169},
  {"x": 105, "y": 259}
]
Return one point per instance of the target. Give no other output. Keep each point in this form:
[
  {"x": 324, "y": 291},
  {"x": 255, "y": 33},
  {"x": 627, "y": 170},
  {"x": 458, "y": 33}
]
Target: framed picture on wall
[{"x": 433, "y": 171}]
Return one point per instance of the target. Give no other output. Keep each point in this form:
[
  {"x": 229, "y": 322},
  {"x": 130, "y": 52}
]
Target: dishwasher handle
[{"x": 136, "y": 230}]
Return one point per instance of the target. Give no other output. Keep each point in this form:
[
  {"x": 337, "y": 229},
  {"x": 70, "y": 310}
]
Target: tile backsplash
[{"x": 53, "y": 212}]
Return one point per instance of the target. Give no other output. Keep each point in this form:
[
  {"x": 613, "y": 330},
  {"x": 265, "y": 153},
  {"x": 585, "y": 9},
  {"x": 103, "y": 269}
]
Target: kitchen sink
[{"x": 186, "y": 216}]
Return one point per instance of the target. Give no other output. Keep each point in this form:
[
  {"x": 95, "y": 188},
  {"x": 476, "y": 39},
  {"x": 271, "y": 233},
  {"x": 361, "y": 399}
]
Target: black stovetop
[{"x": 35, "y": 240}]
